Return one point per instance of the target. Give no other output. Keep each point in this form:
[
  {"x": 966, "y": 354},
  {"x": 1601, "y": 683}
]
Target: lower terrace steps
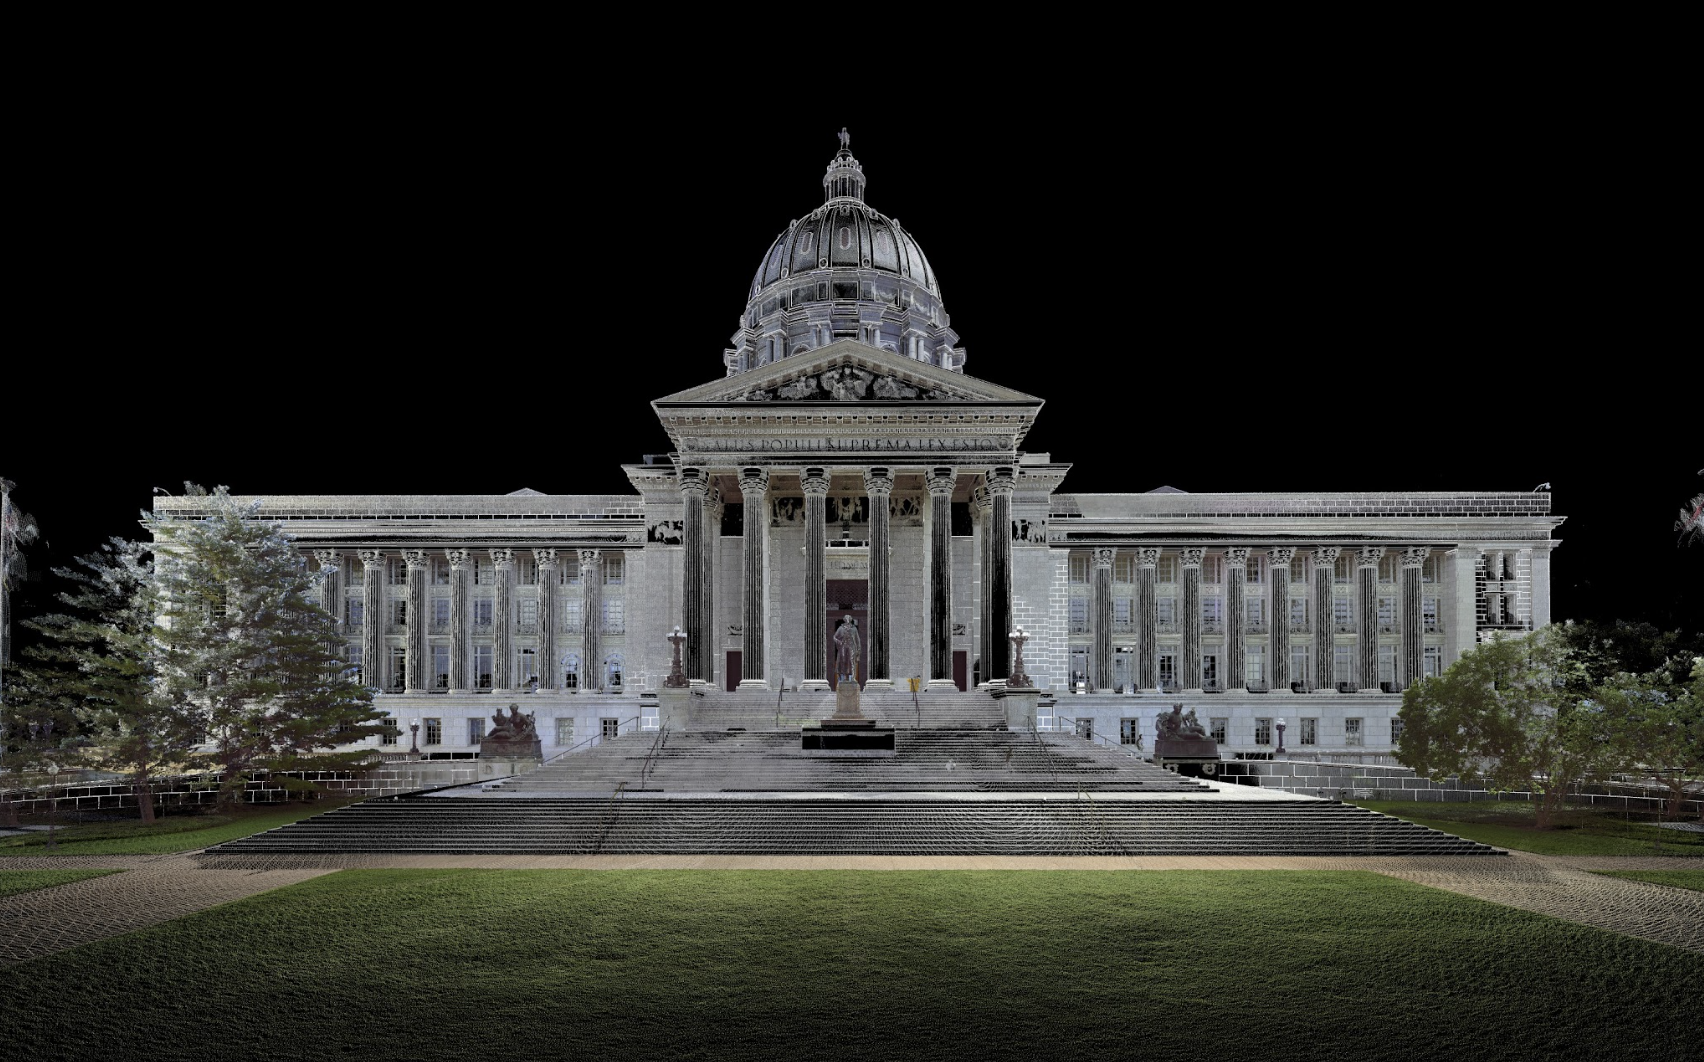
[{"x": 1062, "y": 825}]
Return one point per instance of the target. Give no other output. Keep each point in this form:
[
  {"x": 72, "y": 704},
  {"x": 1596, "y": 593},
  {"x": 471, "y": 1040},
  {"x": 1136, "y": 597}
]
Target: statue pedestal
[
  {"x": 1020, "y": 706},
  {"x": 1197, "y": 757},
  {"x": 672, "y": 705},
  {"x": 507, "y": 749},
  {"x": 846, "y": 701},
  {"x": 847, "y": 732}
]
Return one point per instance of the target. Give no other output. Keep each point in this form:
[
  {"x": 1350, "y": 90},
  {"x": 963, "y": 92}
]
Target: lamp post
[
  {"x": 1280, "y": 751},
  {"x": 677, "y": 676},
  {"x": 414, "y": 738}
]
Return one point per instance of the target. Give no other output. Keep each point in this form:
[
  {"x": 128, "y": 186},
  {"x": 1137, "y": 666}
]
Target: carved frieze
[{"x": 848, "y": 384}]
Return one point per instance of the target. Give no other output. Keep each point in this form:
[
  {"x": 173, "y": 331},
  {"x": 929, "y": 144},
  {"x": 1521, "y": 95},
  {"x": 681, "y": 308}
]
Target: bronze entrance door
[{"x": 849, "y": 598}]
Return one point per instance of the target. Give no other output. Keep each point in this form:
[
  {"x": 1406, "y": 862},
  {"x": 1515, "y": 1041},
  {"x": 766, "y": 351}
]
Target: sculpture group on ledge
[
  {"x": 512, "y": 736},
  {"x": 1180, "y": 724}
]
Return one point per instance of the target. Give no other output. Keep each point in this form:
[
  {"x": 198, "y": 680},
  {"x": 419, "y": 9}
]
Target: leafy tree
[
  {"x": 17, "y": 530},
  {"x": 1659, "y": 727},
  {"x": 247, "y": 649},
  {"x": 99, "y": 664},
  {"x": 1509, "y": 711}
]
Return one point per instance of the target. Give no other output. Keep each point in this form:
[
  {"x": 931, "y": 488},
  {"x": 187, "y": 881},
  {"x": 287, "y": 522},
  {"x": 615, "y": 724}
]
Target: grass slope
[
  {"x": 1680, "y": 879},
  {"x": 173, "y": 833},
  {"x": 13, "y": 882},
  {"x": 728, "y": 965},
  {"x": 1509, "y": 824}
]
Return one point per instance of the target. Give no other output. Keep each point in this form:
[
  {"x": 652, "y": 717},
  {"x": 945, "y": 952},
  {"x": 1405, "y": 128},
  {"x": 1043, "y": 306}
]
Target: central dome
[{"x": 844, "y": 271}]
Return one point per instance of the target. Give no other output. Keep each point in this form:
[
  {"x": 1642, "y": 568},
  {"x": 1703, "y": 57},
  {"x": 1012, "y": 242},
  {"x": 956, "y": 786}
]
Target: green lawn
[
  {"x": 170, "y": 833},
  {"x": 1510, "y": 824},
  {"x": 1680, "y": 879},
  {"x": 13, "y": 882},
  {"x": 730, "y": 965}
]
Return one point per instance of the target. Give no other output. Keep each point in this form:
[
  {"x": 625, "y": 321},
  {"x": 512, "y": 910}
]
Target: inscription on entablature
[{"x": 948, "y": 444}]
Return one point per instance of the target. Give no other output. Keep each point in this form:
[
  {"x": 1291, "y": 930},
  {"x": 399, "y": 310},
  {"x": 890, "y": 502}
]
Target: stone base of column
[
  {"x": 942, "y": 684},
  {"x": 1194, "y": 690},
  {"x": 871, "y": 685},
  {"x": 754, "y": 684},
  {"x": 1374, "y": 689},
  {"x": 700, "y": 684},
  {"x": 415, "y": 693},
  {"x": 461, "y": 693},
  {"x": 992, "y": 685},
  {"x": 814, "y": 686}
]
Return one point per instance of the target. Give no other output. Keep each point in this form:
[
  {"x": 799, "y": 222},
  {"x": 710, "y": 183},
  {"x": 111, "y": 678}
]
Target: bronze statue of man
[{"x": 846, "y": 649}]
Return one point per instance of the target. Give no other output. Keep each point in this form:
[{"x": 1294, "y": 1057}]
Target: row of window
[
  {"x": 524, "y": 667},
  {"x": 1306, "y": 731},
  {"x": 525, "y": 614},
  {"x": 1212, "y": 612},
  {"x": 484, "y": 570},
  {"x": 432, "y": 730},
  {"x": 1344, "y": 659},
  {"x": 1125, "y": 568}
]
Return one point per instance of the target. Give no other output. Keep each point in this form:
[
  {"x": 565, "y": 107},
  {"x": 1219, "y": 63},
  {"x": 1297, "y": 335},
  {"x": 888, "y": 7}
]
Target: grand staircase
[{"x": 942, "y": 792}]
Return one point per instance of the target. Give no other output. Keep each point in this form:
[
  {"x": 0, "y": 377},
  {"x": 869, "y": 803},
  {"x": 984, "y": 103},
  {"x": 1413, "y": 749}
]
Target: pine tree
[{"x": 247, "y": 649}]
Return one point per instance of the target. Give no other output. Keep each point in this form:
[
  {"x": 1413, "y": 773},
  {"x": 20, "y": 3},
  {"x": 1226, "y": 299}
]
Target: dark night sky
[{"x": 1394, "y": 292}]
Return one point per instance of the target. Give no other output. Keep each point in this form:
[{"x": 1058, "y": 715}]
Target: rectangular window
[
  {"x": 1342, "y": 615},
  {"x": 615, "y": 567},
  {"x": 1299, "y": 614},
  {"x": 440, "y": 667},
  {"x": 1079, "y": 568},
  {"x": 1310, "y": 731},
  {"x": 1298, "y": 569},
  {"x": 1343, "y": 663},
  {"x": 571, "y": 616},
  {"x": 482, "y": 612},
  {"x": 1429, "y": 569},
  {"x": 1124, "y": 568},
  {"x": 1299, "y": 655},
  {"x": 1217, "y": 727},
  {"x": 1167, "y": 568},
  {"x": 1387, "y": 615},
  {"x": 1432, "y": 662},
  {"x": 1351, "y": 731},
  {"x": 565, "y": 730},
  {"x": 440, "y": 615},
  {"x": 1079, "y": 667},
  {"x": 398, "y": 668},
  {"x": 390, "y": 733},
  {"x": 440, "y": 571},
  {"x": 614, "y": 617},
  {"x": 1344, "y": 572},
  {"x": 1213, "y": 568},
  {"x": 482, "y": 667},
  {"x": 1078, "y": 612},
  {"x": 526, "y": 570},
  {"x": 527, "y": 672},
  {"x": 1212, "y": 614},
  {"x": 354, "y": 614},
  {"x": 357, "y": 574},
  {"x": 1387, "y": 567},
  {"x": 1254, "y": 613},
  {"x": 475, "y": 729},
  {"x": 1121, "y": 613},
  {"x": 1429, "y": 614},
  {"x": 1395, "y": 730},
  {"x": 1166, "y": 610},
  {"x": 1168, "y": 670},
  {"x": 1256, "y": 571},
  {"x": 1254, "y": 664},
  {"x": 1387, "y": 664},
  {"x": 434, "y": 731},
  {"x": 397, "y": 571},
  {"x": 399, "y": 613},
  {"x": 352, "y": 654},
  {"x": 1263, "y": 731},
  {"x": 571, "y": 672},
  {"x": 483, "y": 572},
  {"x": 1130, "y": 732},
  {"x": 526, "y": 618},
  {"x": 568, "y": 572},
  {"x": 1209, "y": 671}
]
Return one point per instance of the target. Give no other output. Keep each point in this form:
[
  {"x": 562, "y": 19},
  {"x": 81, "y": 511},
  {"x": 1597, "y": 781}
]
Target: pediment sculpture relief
[{"x": 846, "y": 384}]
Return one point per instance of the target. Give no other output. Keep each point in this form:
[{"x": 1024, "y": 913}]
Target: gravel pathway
[{"x": 157, "y": 889}]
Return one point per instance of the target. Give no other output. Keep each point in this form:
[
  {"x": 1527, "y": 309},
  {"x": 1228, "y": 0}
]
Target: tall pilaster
[
  {"x": 996, "y": 660},
  {"x": 941, "y": 481},
  {"x": 1412, "y": 624},
  {"x": 373, "y": 656},
  {"x": 503, "y": 618},
  {"x": 1191, "y": 662},
  {"x": 692, "y": 492},
  {"x": 754, "y": 489},
  {"x": 591, "y": 620},
  {"x": 549, "y": 671},
  {"x": 1367, "y": 617},
  {"x": 1325, "y": 626},
  {"x": 710, "y": 634},
  {"x": 879, "y": 486},
  {"x": 1233, "y": 666},
  {"x": 416, "y": 643},
  {"x": 1100, "y": 649},
  {"x": 1147, "y": 625},
  {"x": 815, "y": 484},
  {"x": 461, "y": 647},
  {"x": 1278, "y": 571}
]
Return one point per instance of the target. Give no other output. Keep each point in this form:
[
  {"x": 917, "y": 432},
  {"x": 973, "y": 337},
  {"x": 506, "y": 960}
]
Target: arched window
[
  {"x": 613, "y": 671},
  {"x": 571, "y": 671}
]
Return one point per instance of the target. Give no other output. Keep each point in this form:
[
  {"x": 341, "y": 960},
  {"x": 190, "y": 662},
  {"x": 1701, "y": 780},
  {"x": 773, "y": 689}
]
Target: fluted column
[
  {"x": 461, "y": 648},
  {"x": 941, "y": 482},
  {"x": 815, "y": 484},
  {"x": 1325, "y": 619},
  {"x": 879, "y": 486},
  {"x": 1100, "y": 648},
  {"x": 1367, "y": 617},
  {"x": 1191, "y": 559},
  {"x": 1412, "y": 625},
  {"x": 549, "y": 671},
  {"x": 981, "y": 509},
  {"x": 997, "y": 656},
  {"x": 1234, "y": 667},
  {"x": 373, "y": 655},
  {"x": 1147, "y": 625},
  {"x": 415, "y": 652},
  {"x": 591, "y": 620},
  {"x": 754, "y": 489},
  {"x": 692, "y": 492},
  {"x": 503, "y": 618},
  {"x": 710, "y": 633},
  {"x": 331, "y": 589},
  {"x": 1278, "y": 571}
]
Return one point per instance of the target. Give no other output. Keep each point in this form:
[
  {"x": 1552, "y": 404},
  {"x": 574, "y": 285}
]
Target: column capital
[
  {"x": 327, "y": 558},
  {"x": 1281, "y": 556},
  {"x": 980, "y": 500},
  {"x": 1236, "y": 558},
  {"x": 546, "y": 558},
  {"x": 692, "y": 481},
  {"x": 1148, "y": 557},
  {"x": 460, "y": 559},
  {"x": 814, "y": 482},
  {"x": 753, "y": 482},
  {"x": 416, "y": 559},
  {"x": 1103, "y": 556},
  {"x": 503, "y": 559},
  {"x": 878, "y": 482},
  {"x": 372, "y": 558},
  {"x": 1001, "y": 480},
  {"x": 1192, "y": 556},
  {"x": 1415, "y": 556},
  {"x": 1369, "y": 556},
  {"x": 588, "y": 557},
  {"x": 1326, "y": 554},
  {"x": 942, "y": 480}
]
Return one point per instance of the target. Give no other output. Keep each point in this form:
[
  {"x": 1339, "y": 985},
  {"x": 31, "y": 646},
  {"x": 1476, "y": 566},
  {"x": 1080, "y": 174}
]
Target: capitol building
[{"x": 842, "y": 463}]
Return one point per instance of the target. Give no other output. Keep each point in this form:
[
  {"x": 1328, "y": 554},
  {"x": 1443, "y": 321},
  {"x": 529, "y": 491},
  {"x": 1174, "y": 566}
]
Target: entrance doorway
[
  {"x": 732, "y": 675},
  {"x": 961, "y": 668},
  {"x": 848, "y": 598}
]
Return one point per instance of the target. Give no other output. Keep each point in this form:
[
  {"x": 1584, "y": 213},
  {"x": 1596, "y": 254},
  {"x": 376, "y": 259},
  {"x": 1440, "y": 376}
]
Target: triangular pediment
[{"x": 844, "y": 372}]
